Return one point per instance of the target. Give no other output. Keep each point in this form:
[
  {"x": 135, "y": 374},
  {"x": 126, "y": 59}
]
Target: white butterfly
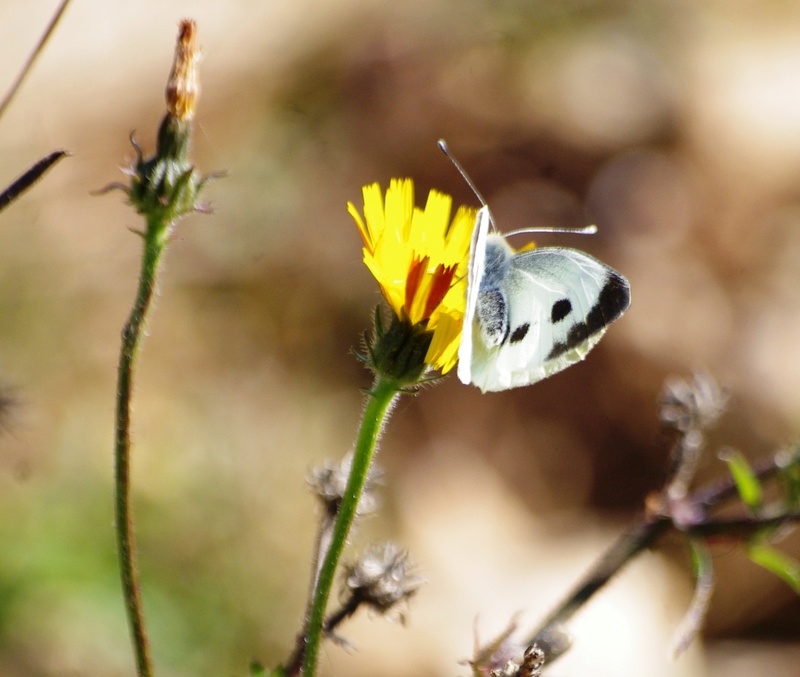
[{"x": 532, "y": 313}]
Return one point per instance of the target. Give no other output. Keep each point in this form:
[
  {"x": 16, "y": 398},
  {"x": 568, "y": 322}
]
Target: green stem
[
  {"x": 379, "y": 404},
  {"x": 154, "y": 242}
]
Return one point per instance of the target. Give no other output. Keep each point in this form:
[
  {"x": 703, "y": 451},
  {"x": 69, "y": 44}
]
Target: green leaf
[
  {"x": 790, "y": 475},
  {"x": 777, "y": 562},
  {"x": 747, "y": 483}
]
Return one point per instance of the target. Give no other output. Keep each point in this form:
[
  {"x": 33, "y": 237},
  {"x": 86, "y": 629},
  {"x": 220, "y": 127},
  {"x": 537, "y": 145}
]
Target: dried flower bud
[
  {"x": 687, "y": 406},
  {"x": 690, "y": 408},
  {"x": 329, "y": 482},
  {"x": 166, "y": 187},
  {"x": 531, "y": 666},
  {"x": 510, "y": 669},
  {"x": 183, "y": 86},
  {"x": 382, "y": 578},
  {"x": 532, "y": 662}
]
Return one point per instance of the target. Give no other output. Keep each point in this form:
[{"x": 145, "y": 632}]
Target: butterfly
[{"x": 532, "y": 313}]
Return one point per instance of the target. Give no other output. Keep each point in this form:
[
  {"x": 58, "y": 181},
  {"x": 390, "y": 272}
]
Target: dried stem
[
  {"x": 647, "y": 529},
  {"x": 32, "y": 58},
  {"x": 30, "y": 177},
  {"x": 639, "y": 536}
]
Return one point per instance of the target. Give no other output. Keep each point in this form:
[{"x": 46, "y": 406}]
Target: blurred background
[{"x": 673, "y": 125}]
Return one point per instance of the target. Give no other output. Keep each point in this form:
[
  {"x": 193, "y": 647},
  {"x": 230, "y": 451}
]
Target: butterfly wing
[
  {"x": 477, "y": 259},
  {"x": 560, "y": 302}
]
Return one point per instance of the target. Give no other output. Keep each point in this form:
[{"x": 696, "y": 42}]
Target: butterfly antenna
[
  {"x": 443, "y": 145},
  {"x": 586, "y": 230}
]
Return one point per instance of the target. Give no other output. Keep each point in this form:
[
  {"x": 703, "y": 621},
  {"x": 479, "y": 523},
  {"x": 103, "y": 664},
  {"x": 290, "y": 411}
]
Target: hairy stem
[
  {"x": 126, "y": 545},
  {"x": 378, "y": 406}
]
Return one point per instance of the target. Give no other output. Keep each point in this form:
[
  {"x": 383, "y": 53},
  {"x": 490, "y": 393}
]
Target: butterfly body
[{"x": 532, "y": 313}]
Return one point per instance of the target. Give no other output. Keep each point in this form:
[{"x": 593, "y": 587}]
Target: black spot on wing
[
  {"x": 560, "y": 310},
  {"x": 519, "y": 333},
  {"x": 578, "y": 334},
  {"x": 614, "y": 299}
]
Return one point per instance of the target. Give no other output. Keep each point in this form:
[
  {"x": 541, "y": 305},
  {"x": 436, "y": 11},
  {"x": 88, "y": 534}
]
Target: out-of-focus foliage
[{"x": 675, "y": 126}]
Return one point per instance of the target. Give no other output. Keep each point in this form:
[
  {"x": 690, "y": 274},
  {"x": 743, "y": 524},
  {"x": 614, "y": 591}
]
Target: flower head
[
  {"x": 165, "y": 187},
  {"x": 419, "y": 258}
]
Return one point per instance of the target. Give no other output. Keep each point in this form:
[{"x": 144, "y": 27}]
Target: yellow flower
[{"x": 419, "y": 258}]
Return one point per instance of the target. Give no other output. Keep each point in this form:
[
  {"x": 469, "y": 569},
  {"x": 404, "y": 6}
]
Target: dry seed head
[{"x": 382, "y": 578}]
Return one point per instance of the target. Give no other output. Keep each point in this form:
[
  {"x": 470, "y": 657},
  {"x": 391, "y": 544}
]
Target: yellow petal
[{"x": 419, "y": 258}]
